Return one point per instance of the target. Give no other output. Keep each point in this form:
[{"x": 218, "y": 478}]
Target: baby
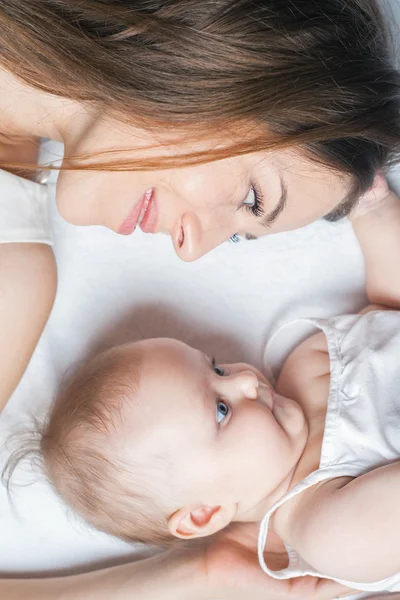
[{"x": 153, "y": 441}]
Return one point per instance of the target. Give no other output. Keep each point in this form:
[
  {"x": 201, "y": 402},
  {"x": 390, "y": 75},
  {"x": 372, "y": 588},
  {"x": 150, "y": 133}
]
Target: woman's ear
[{"x": 191, "y": 522}]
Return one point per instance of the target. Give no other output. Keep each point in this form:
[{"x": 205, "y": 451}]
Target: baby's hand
[
  {"x": 233, "y": 570},
  {"x": 374, "y": 198}
]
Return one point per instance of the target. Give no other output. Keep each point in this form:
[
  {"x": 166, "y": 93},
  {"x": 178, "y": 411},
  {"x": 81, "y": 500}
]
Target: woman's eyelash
[
  {"x": 257, "y": 209},
  {"x": 235, "y": 238}
]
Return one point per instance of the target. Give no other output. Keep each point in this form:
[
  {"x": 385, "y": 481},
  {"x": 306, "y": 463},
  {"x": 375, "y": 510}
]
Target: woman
[{"x": 298, "y": 101}]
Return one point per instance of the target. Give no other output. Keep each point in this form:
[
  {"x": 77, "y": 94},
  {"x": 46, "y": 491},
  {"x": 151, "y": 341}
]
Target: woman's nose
[{"x": 192, "y": 238}]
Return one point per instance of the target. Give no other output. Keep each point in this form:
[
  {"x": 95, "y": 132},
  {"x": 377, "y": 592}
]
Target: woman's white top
[
  {"x": 23, "y": 210},
  {"x": 362, "y": 427}
]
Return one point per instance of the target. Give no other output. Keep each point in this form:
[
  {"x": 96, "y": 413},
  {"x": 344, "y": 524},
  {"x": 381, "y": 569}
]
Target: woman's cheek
[
  {"x": 84, "y": 198},
  {"x": 68, "y": 192}
]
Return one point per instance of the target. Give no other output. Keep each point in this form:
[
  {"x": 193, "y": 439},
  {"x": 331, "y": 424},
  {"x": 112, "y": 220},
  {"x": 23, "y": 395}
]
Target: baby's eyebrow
[{"x": 207, "y": 359}]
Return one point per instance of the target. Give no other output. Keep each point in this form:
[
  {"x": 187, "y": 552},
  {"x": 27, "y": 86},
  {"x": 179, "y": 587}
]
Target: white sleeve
[{"x": 23, "y": 210}]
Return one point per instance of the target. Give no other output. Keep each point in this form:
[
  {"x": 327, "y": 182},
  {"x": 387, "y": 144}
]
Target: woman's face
[{"x": 198, "y": 206}]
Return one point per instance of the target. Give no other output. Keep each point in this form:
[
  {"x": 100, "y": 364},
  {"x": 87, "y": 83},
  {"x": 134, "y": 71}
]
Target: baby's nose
[
  {"x": 244, "y": 385},
  {"x": 250, "y": 384}
]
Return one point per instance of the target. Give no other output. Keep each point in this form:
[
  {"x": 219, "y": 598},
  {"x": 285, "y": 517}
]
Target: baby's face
[{"x": 227, "y": 434}]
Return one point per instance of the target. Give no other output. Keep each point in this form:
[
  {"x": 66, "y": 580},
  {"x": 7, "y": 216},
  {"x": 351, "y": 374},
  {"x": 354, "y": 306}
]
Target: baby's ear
[{"x": 191, "y": 522}]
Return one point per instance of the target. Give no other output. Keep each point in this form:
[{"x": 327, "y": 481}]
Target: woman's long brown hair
[{"x": 317, "y": 74}]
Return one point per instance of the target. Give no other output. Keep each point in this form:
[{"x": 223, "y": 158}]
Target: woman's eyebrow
[{"x": 271, "y": 217}]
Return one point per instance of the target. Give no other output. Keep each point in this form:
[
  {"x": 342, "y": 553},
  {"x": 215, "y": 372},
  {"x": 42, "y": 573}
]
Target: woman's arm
[
  {"x": 165, "y": 577},
  {"x": 227, "y": 569}
]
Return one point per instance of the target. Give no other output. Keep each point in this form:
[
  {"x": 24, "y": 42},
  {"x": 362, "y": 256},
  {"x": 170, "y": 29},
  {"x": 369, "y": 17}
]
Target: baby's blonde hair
[{"x": 80, "y": 447}]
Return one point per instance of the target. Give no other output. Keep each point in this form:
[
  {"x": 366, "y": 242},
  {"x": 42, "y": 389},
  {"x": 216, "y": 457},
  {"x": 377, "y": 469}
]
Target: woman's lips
[
  {"x": 138, "y": 214},
  {"x": 148, "y": 222}
]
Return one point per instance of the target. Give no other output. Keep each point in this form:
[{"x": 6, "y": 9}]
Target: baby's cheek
[{"x": 260, "y": 433}]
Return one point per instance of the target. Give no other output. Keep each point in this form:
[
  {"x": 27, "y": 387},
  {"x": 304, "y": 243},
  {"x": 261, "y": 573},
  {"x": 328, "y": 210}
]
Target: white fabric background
[{"x": 112, "y": 289}]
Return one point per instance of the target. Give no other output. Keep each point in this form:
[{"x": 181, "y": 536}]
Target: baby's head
[{"x": 151, "y": 441}]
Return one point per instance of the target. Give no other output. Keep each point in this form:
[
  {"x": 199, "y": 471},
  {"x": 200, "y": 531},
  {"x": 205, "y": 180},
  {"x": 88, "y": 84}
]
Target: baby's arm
[
  {"x": 27, "y": 272},
  {"x": 349, "y": 529},
  {"x": 376, "y": 223},
  {"x": 341, "y": 527}
]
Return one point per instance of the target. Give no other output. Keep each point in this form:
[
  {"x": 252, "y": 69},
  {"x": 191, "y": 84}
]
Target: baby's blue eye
[
  {"x": 223, "y": 410},
  {"x": 219, "y": 371}
]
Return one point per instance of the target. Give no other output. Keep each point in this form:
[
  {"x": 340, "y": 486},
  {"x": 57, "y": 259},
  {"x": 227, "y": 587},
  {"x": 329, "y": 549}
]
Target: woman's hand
[
  {"x": 18, "y": 150},
  {"x": 234, "y": 573}
]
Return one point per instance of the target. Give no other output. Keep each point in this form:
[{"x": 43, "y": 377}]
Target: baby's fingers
[
  {"x": 314, "y": 588},
  {"x": 326, "y": 589}
]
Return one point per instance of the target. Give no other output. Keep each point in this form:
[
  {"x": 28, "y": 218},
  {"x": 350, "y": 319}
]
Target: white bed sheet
[{"x": 113, "y": 289}]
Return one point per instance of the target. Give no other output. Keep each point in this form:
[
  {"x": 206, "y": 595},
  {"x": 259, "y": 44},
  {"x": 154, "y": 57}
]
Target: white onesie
[{"x": 362, "y": 427}]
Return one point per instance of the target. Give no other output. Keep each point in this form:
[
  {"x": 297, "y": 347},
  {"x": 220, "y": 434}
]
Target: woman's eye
[
  {"x": 219, "y": 370},
  {"x": 254, "y": 202},
  {"x": 223, "y": 410},
  {"x": 251, "y": 198}
]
